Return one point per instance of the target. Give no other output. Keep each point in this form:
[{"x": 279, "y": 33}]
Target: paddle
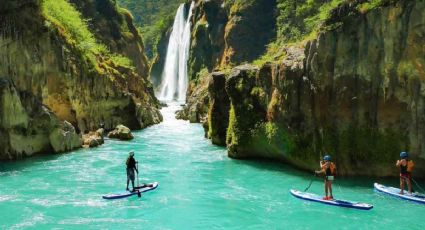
[
  {"x": 137, "y": 171},
  {"x": 138, "y": 184},
  {"x": 311, "y": 182},
  {"x": 315, "y": 174}
]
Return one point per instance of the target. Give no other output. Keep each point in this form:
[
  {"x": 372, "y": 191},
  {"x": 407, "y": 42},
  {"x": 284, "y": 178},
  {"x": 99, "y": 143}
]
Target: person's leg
[
  {"x": 132, "y": 179},
  {"x": 326, "y": 188},
  {"x": 128, "y": 179},
  {"x": 330, "y": 189},
  {"x": 409, "y": 185},
  {"x": 401, "y": 185}
]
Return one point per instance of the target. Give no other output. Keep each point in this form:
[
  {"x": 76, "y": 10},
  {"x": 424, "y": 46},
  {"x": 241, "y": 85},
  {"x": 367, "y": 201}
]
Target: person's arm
[
  {"x": 398, "y": 163},
  {"x": 320, "y": 171},
  {"x": 322, "y": 168}
]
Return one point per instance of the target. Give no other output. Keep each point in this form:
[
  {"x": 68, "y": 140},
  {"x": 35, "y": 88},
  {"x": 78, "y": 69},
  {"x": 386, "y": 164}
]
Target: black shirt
[{"x": 131, "y": 163}]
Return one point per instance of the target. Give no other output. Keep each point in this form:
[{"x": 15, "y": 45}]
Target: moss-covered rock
[
  {"x": 207, "y": 44},
  {"x": 251, "y": 26},
  {"x": 218, "y": 112},
  {"x": 114, "y": 26},
  {"x": 28, "y": 127}
]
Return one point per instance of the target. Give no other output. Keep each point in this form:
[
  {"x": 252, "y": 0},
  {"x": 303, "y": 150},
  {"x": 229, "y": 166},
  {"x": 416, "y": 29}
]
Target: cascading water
[{"x": 174, "y": 76}]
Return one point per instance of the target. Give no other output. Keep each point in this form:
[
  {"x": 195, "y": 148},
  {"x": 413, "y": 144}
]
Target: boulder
[
  {"x": 93, "y": 139},
  {"x": 121, "y": 132},
  {"x": 64, "y": 138}
]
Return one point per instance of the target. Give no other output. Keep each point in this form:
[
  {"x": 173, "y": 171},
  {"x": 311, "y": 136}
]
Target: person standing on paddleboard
[
  {"x": 406, "y": 168},
  {"x": 131, "y": 166},
  {"x": 329, "y": 169}
]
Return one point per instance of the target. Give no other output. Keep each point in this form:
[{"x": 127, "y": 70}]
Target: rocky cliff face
[
  {"x": 115, "y": 28},
  {"x": 158, "y": 61},
  {"x": 249, "y": 29},
  {"x": 224, "y": 34},
  {"x": 46, "y": 80},
  {"x": 228, "y": 36},
  {"x": 207, "y": 44},
  {"x": 354, "y": 92}
]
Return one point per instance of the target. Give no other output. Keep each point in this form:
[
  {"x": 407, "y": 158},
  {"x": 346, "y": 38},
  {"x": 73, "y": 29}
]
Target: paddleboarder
[
  {"x": 406, "y": 168},
  {"x": 329, "y": 169},
  {"x": 131, "y": 167}
]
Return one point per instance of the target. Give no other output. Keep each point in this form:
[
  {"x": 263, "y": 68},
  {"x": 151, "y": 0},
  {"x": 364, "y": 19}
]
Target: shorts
[
  {"x": 329, "y": 178},
  {"x": 406, "y": 176},
  {"x": 130, "y": 174}
]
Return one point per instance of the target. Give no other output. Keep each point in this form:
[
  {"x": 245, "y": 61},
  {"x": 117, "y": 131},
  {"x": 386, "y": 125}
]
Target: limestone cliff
[
  {"x": 355, "y": 92},
  {"x": 50, "y": 76},
  {"x": 207, "y": 44},
  {"x": 228, "y": 34}
]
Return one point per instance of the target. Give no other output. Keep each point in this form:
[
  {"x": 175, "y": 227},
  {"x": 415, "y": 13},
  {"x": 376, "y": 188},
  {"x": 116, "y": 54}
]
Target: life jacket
[
  {"x": 410, "y": 166},
  {"x": 331, "y": 170}
]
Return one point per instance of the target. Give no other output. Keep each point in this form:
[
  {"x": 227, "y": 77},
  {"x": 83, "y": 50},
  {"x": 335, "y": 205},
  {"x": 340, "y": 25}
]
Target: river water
[{"x": 200, "y": 188}]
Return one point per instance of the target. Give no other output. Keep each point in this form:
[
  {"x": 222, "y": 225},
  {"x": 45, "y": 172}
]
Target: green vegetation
[
  {"x": 200, "y": 75},
  {"x": 274, "y": 52},
  {"x": 153, "y": 17},
  {"x": 121, "y": 60},
  {"x": 238, "y": 5},
  {"x": 298, "y": 18},
  {"x": 368, "y": 5},
  {"x": 75, "y": 30},
  {"x": 71, "y": 26},
  {"x": 232, "y": 134}
]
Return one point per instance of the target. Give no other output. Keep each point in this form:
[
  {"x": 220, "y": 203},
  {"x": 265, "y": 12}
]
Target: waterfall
[{"x": 174, "y": 76}]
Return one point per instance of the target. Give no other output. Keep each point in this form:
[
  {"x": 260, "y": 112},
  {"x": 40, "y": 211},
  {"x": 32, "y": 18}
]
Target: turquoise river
[{"x": 199, "y": 188}]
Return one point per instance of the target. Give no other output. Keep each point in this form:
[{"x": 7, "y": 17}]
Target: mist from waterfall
[{"x": 174, "y": 76}]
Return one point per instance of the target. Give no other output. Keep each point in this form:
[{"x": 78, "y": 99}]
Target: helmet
[
  {"x": 131, "y": 153},
  {"x": 404, "y": 155},
  {"x": 327, "y": 158}
]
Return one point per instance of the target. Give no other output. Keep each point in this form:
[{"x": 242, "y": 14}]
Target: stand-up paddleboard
[
  {"x": 420, "y": 198},
  {"x": 340, "y": 203},
  {"x": 138, "y": 190}
]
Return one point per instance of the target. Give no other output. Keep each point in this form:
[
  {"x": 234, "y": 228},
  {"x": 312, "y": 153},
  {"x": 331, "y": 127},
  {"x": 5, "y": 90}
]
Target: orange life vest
[{"x": 410, "y": 166}]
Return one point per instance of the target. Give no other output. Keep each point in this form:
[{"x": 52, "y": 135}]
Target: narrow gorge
[{"x": 212, "y": 114}]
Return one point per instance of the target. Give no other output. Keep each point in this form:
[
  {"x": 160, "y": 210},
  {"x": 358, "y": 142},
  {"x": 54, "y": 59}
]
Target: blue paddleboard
[
  {"x": 340, "y": 203},
  {"x": 125, "y": 194},
  {"x": 416, "y": 197}
]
